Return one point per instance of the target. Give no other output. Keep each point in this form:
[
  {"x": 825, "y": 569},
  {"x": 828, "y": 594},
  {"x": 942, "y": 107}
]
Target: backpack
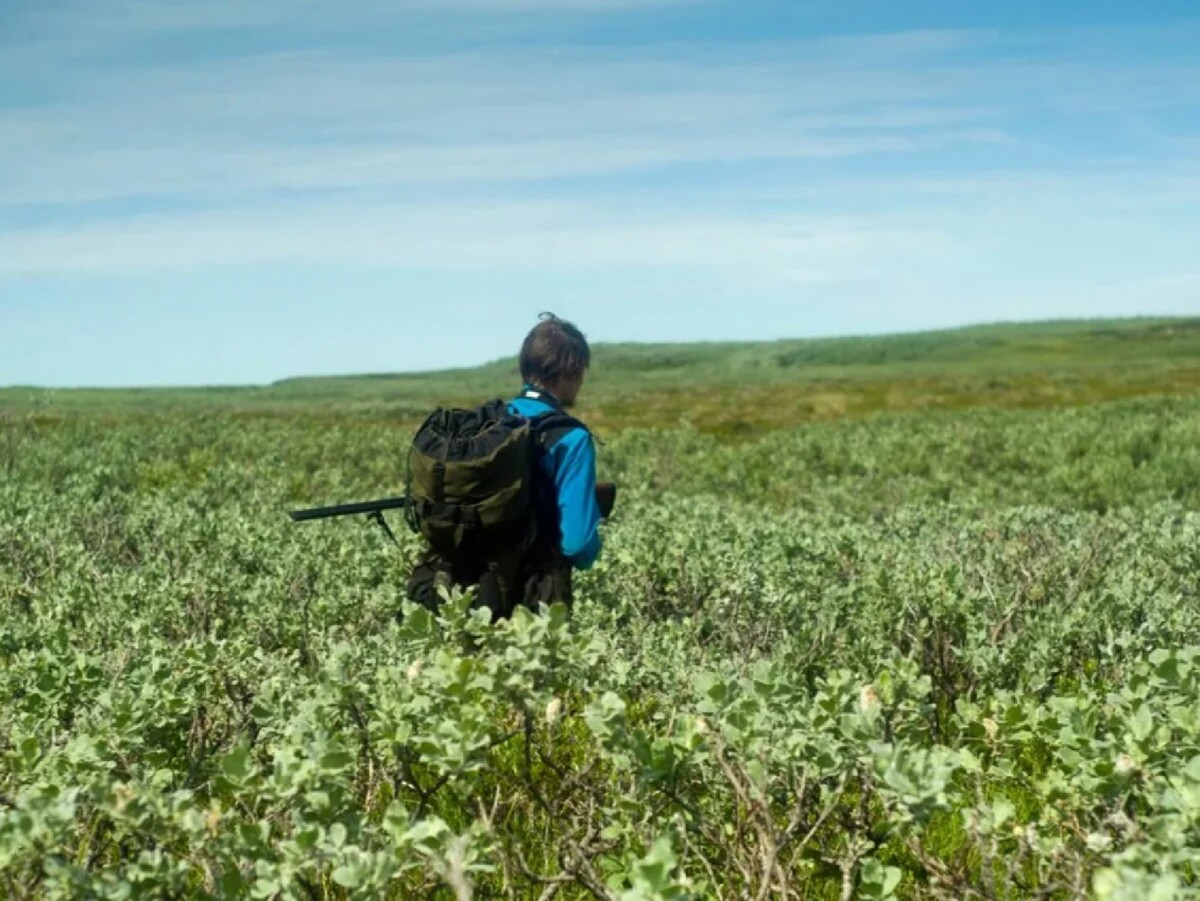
[{"x": 473, "y": 494}]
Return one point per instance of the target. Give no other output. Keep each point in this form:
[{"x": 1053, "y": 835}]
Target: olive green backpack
[{"x": 471, "y": 493}]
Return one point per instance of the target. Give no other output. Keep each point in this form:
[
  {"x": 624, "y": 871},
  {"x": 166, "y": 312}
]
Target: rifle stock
[{"x": 606, "y": 498}]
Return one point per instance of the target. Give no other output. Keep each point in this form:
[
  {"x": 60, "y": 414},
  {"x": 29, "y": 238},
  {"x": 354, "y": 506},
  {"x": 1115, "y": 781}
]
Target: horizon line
[{"x": 813, "y": 339}]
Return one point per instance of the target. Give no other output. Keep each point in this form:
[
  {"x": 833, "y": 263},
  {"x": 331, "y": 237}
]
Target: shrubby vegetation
[{"x": 924, "y": 656}]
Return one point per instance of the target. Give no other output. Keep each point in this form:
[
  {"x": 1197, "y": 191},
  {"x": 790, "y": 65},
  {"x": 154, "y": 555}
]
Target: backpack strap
[{"x": 550, "y": 428}]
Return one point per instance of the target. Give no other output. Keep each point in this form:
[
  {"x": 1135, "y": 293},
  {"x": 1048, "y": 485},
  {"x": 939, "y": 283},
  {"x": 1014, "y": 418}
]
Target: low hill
[{"x": 744, "y": 386}]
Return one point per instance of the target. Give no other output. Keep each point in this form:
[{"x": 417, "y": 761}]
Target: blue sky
[{"x": 237, "y": 191}]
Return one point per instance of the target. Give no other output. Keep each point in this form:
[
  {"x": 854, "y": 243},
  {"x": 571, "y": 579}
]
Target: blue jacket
[{"x": 570, "y": 466}]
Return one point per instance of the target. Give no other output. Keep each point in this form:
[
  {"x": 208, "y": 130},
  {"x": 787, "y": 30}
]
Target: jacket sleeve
[{"x": 578, "y": 512}]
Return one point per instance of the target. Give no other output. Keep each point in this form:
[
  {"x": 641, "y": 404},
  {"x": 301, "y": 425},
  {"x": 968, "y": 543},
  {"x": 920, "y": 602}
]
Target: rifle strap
[{"x": 378, "y": 517}]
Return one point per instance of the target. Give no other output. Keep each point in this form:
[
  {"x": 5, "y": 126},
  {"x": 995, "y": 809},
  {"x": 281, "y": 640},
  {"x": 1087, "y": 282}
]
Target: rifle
[
  {"x": 374, "y": 509},
  {"x": 606, "y": 499}
]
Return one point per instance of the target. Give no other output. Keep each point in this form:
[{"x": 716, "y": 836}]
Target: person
[{"x": 553, "y": 362}]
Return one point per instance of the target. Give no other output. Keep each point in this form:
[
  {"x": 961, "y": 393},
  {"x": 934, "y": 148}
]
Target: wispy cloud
[
  {"x": 859, "y": 151},
  {"x": 499, "y": 236},
  {"x": 136, "y": 18},
  {"x": 344, "y": 119}
]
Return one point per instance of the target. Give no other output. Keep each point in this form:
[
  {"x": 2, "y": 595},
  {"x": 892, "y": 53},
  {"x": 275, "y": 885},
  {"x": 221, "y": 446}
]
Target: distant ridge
[
  {"x": 961, "y": 343},
  {"x": 733, "y": 387}
]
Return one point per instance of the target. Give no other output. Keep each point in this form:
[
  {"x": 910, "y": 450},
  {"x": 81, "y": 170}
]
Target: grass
[{"x": 735, "y": 388}]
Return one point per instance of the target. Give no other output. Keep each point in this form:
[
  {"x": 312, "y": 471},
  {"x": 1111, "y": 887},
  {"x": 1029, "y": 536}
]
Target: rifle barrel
[{"x": 387, "y": 503}]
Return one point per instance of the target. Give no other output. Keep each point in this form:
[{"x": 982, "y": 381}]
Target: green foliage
[{"x": 926, "y": 656}]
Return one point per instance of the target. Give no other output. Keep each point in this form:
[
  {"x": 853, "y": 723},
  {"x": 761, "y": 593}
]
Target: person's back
[{"x": 554, "y": 360}]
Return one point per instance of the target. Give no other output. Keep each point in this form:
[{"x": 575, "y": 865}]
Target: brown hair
[{"x": 553, "y": 350}]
